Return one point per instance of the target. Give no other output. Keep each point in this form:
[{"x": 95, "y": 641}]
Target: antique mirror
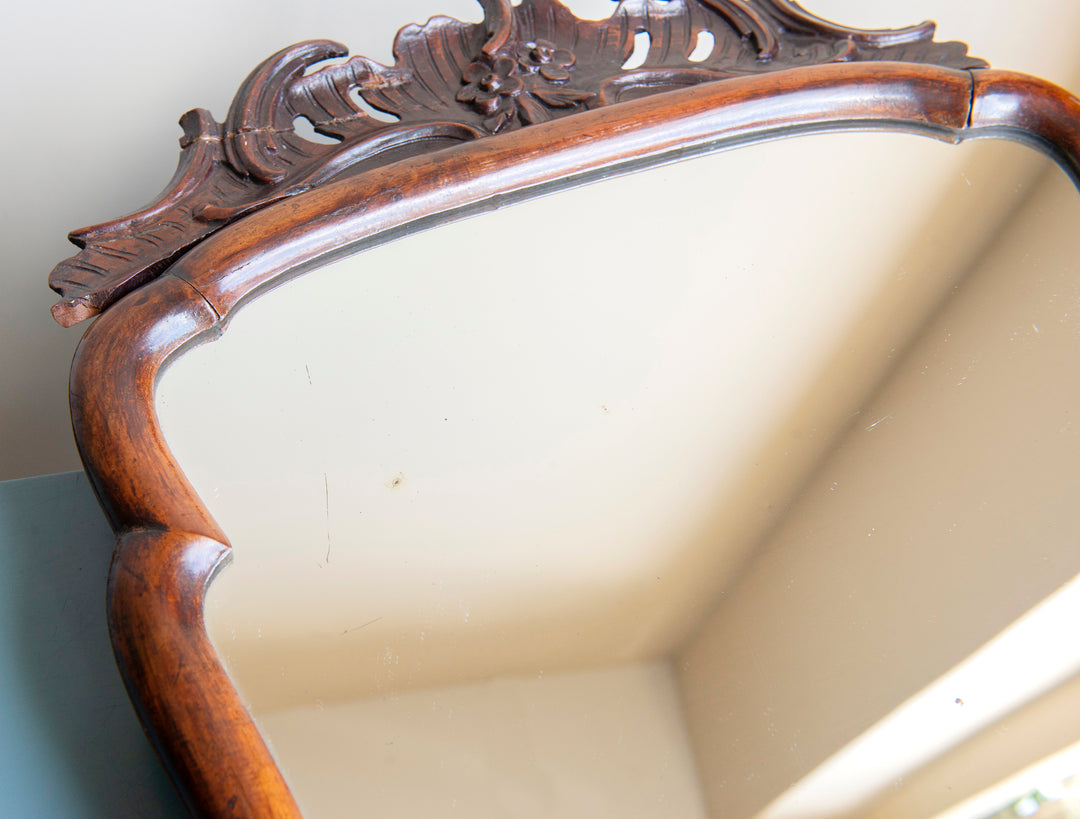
[{"x": 570, "y": 463}]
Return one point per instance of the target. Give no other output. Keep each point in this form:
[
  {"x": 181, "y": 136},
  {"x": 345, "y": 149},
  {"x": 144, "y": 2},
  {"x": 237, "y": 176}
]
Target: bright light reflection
[
  {"x": 1054, "y": 779},
  {"x": 1031, "y": 656}
]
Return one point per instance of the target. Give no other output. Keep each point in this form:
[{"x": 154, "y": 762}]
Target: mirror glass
[{"x": 661, "y": 496}]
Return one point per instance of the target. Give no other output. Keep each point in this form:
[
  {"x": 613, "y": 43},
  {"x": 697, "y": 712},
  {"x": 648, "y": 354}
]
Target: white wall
[
  {"x": 93, "y": 92},
  {"x": 92, "y": 97}
]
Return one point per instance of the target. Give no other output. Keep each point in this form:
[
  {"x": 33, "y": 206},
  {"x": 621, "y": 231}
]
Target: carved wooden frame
[{"x": 253, "y": 203}]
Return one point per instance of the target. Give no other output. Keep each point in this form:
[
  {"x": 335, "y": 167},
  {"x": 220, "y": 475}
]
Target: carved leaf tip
[
  {"x": 257, "y": 116},
  {"x": 499, "y": 18},
  {"x": 71, "y": 312},
  {"x": 196, "y": 124},
  {"x": 750, "y": 22}
]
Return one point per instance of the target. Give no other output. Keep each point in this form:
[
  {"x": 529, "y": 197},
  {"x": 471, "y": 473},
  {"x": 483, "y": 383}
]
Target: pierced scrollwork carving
[{"x": 451, "y": 81}]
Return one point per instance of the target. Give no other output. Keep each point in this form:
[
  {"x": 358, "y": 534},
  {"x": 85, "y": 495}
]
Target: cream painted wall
[{"x": 95, "y": 90}]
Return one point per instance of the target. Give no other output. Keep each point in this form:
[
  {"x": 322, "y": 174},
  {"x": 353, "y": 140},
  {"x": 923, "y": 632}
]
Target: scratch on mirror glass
[
  {"x": 879, "y": 421},
  {"x": 362, "y": 625},
  {"x": 326, "y": 489}
]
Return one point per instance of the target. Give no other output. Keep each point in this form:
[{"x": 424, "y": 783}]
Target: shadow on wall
[{"x": 70, "y": 743}]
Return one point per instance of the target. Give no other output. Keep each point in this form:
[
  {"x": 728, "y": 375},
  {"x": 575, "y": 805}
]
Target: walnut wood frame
[{"x": 265, "y": 226}]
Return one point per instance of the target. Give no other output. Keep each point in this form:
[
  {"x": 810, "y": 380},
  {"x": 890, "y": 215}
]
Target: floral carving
[
  {"x": 553, "y": 63},
  {"x": 508, "y": 90},
  {"x": 525, "y": 64},
  {"x": 490, "y": 87}
]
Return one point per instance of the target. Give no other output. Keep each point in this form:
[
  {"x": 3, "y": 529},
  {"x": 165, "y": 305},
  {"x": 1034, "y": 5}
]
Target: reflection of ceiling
[{"x": 509, "y": 418}]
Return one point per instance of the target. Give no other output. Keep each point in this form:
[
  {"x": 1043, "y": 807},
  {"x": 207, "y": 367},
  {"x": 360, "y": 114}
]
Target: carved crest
[{"x": 450, "y": 82}]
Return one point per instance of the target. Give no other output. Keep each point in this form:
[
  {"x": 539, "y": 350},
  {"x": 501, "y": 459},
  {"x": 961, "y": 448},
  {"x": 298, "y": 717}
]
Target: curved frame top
[
  {"x": 451, "y": 82},
  {"x": 169, "y": 547}
]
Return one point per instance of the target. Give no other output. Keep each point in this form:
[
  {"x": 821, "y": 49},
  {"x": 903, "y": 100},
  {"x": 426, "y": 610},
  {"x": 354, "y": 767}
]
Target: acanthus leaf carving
[{"x": 451, "y": 81}]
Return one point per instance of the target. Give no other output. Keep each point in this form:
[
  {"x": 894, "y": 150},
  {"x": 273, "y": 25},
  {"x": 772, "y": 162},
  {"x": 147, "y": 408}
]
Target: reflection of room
[
  {"x": 668, "y": 528},
  {"x": 945, "y": 513}
]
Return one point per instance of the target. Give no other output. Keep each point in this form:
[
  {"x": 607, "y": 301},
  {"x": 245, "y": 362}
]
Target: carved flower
[
  {"x": 506, "y": 97},
  {"x": 491, "y": 87},
  {"x": 551, "y": 62}
]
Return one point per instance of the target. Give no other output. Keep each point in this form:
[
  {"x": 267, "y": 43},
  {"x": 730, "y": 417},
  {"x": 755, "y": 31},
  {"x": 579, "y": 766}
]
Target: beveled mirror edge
[{"x": 169, "y": 547}]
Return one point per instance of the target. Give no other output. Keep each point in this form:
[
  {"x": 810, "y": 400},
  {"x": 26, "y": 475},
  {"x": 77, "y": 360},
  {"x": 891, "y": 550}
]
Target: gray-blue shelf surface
[{"x": 70, "y": 744}]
